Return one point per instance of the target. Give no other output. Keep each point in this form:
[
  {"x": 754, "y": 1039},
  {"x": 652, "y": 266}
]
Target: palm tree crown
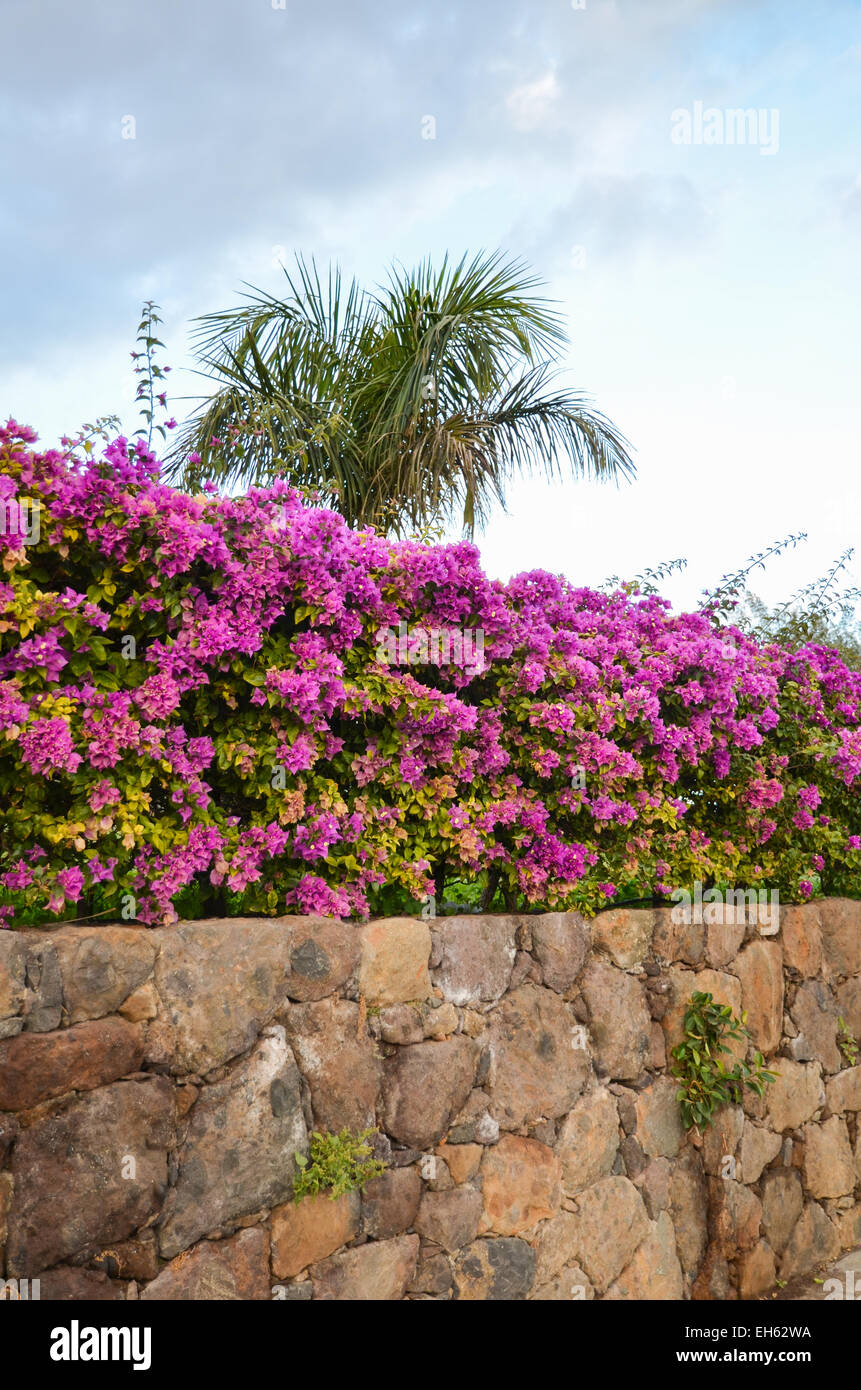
[{"x": 398, "y": 408}]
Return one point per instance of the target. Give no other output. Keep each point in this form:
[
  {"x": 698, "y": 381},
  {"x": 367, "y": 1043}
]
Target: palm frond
[{"x": 425, "y": 397}]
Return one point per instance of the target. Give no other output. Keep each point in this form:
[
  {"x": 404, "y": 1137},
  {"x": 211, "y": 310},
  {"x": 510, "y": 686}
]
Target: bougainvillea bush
[{"x": 194, "y": 696}]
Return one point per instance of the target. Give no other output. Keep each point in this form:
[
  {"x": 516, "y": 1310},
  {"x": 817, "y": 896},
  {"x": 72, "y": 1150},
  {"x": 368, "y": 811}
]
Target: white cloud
[{"x": 530, "y": 104}]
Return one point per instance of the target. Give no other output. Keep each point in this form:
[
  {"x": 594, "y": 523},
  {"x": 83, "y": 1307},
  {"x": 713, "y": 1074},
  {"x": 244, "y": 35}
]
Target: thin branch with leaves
[{"x": 148, "y": 368}]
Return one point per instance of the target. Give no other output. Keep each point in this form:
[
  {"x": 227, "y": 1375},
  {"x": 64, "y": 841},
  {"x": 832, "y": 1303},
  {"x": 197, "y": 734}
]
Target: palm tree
[{"x": 397, "y": 408}]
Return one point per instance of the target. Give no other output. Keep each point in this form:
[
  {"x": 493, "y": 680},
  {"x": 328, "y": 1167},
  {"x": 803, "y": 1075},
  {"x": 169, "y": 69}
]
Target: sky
[{"x": 710, "y": 285}]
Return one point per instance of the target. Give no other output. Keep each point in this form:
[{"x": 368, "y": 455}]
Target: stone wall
[{"x": 156, "y": 1085}]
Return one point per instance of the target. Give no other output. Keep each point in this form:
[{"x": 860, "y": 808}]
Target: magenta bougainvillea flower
[{"x": 192, "y": 691}]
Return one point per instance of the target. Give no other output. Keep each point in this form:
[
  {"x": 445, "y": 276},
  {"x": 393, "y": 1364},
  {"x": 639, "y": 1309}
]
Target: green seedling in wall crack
[
  {"x": 846, "y": 1042},
  {"x": 707, "y": 1083},
  {"x": 338, "y": 1163}
]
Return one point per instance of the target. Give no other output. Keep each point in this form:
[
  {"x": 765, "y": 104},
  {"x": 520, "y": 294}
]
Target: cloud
[
  {"x": 610, "y": 216},
  {"x": 530, "y": 104},
  {"x": 302, "y": 128}
]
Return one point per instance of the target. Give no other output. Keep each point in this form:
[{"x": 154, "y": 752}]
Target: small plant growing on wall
[
  {"x": 707, "y": 1083},
  {"x": 339, "y": 1163},
  {"x": 846, "y": 1042}
]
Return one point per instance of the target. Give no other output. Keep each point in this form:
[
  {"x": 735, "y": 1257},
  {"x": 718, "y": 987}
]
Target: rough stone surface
[
  {"x": 759, "y": 967},
  {"x": 538, "y": 1068},
  {"x": 439, "y": 1023},
  {"x": 43, "y": 1006},
  {"x": 625, "y": 934},
  {"x": 619, "y": 1021},
  {"x": 66, "y": 1284},
  {"x": 849, "y": 1006},
  {"x": 657, "y": 1047},
  {"x": 654, "y": 1186},
  {"x": 556, "y": 1245},
  {"x": 782, "y": 1203},
  {"x": 462, "y": 1160},
  {"x": 675, "y": 939},
  {"x": 217, "y": 1271},
  {"x": 474, "y": 1124},
  {"x": 795, "y": 1095},
  {"x": 307, "y": 1231},
  {"x": 736, "y": 1213},
  {"x": 588, "y": 1141},
  {"x": 393, "y": 965},
  {"x": 433, "y": 1275},
  {"x": 829, "y": 1168},
  {"x": 129, "y": 1259},
  {"x": 323, "y": 957},
  {"x": 801, "y": 936},
  {"x": 570, "y": 1284},
  {"x": 659, "y": 1124},
  {"x": 425, "y": 1087},
  {"x": 336, "y": 1055},
  {"x": 611, "y": 1223},
  {"x": 814, "y": 1014},
  {"x": 847, "y": 1223},
  {"x": 390, "y": 1203},
  {"x": 401, "y": 1024},
  {"x": 472, "y": 1023},
  {"x": 843, "y": 1091},
  {"x": 688, "y": 1209},
  {"x": 723, "y": 940},
  {"x": 141, "y": 1005},
  {"x": 722, "y": 1140},
  {"x": 713, "y": 1281},
  {"x": 38, "y": 1066},
  {"x": 476, "y": 958},
  {"x": 450, "y": 1219},
  {"x": 380, "y": 1271},
  {"x": 841, "y": 938},
  {"x": 101, "y": 966},
  {"x": 634, "y": 1161},
  {"x": 238, "y": 1157},
  {"x": 495, "y": 1269},
  {"x": 561, "y": 1167},
  {"x": 526, "y": 968},
  {"x": 813, "y": 1242},
  {"x": 654, "y": 1272},
  {"x": 10, "y": 1128},
  {"x": 758, "y": 1148},
  {"x": 560, "y": 941},
  {"x": 756, "y": 1271},
  {"x": 13, "y": 976},
  {"x": 520, "y": 1185},
  {"x": 71, "y": 1194},
  {"x": 220, "y": 983}
]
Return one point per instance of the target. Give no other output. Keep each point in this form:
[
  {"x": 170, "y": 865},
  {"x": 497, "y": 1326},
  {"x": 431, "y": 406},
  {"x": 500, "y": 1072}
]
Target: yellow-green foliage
[{"x": 339, "y": 1163}]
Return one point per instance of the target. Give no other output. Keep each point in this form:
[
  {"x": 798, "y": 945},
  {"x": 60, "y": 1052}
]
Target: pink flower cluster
[{"x": 191, "y": 692}]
